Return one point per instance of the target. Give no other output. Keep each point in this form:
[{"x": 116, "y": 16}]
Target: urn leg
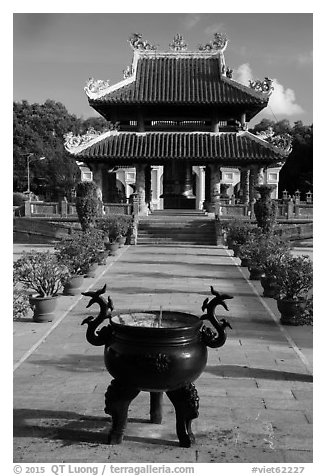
[
  {"x": 186, "y": 403},
  {"x": 117, "y": 400},
  {"x": 156, "y": 400}
]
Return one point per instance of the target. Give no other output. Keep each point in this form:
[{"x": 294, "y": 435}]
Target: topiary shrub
[
  {"x": 265, "y": 208},
  {"x": 88, "y": 204}
]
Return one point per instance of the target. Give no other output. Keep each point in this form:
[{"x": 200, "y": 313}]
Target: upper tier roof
[{"x": 181, "y": 79}]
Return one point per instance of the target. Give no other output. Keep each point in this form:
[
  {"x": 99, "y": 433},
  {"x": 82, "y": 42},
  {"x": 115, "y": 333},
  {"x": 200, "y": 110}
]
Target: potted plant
[
  {"x": 72, "y": 252},
  {"x": 238, "y": 233},
  {"x": 21, "y": 304},
  {"x": 42, "y": 273},
  {"x": 113, "y": 227},
  {"x": 278, "y": 249},
  {"x": 294, "y": 279},
  {"x": 123, "y": 224},
  {"x": 255, "y": 252}
]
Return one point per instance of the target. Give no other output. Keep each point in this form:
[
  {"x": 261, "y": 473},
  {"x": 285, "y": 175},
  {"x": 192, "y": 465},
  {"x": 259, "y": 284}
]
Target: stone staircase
[{"x": 176, "y": 227}]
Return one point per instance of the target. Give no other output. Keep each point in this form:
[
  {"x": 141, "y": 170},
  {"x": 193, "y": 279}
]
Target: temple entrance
[{"x": 178, "y": 186}]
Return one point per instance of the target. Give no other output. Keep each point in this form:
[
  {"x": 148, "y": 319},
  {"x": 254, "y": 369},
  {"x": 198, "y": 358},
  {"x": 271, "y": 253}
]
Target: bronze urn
[{"x": 155, "y": 351}]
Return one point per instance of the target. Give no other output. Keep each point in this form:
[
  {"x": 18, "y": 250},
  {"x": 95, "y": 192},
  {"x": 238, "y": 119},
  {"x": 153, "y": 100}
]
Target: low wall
[{"x": 30, "y": 230}]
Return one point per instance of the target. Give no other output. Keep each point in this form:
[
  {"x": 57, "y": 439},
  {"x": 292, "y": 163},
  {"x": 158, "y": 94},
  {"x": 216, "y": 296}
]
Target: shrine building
[{"x": 178, "y": 130}]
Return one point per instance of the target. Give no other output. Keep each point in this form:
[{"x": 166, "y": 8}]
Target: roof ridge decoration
[
  {"x": 219, "y": 43},
  {"x": 76, "y": 143},
  {"x": 281, "y": 143},
  {"x": 264, "y": 86},
  {"x": 95, "y": 86},
  {"x": 136, "y": 43},
  {"x": 178, "y": 43}
]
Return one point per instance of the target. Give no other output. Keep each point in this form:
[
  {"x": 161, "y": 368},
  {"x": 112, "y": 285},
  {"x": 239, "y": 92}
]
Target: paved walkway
[{"x": 255, "y": 393}]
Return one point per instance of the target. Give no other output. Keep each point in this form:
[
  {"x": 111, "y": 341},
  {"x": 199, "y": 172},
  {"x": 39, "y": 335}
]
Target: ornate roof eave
[
  {"x": 95, "y": 89},
  {"x": 247, "y": 89},
  {"x": 75, "y": 144},
  {"x": 80, "y": 146},
  {"x": 283, "y": 147}
]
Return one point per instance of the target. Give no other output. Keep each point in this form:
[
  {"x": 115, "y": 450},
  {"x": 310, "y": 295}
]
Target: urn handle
[
  {"x": 104, "y": 336},
  {"x": 209, "y": 337}
]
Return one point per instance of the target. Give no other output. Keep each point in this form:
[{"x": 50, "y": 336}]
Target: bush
[
  {"x": 114, "y": 226},
  {"x": 294, "y": 277},
  {"x": 21, "y": 304},
  {"x": 238, "y": 232},
  {"x": 260, "y": 248},
  {"x": 79, "y": 251},
  {"x": 40, "y": 272},
  {"x": 88, "y": 204}
]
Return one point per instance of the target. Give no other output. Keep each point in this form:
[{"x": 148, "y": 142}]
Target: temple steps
[{"x": 186, "y": 227}]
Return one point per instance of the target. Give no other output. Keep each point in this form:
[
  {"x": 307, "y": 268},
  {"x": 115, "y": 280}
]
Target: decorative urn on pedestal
[{"x": 156, "y": 351}]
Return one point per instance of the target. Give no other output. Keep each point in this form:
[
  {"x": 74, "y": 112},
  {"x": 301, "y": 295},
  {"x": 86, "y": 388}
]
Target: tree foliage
[
  {"x": 38, "y": 129},
  {"x": 297, "y": 172}
]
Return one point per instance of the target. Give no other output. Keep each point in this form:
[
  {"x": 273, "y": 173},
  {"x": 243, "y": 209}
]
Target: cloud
[
  {"x": 305, "y": 59},
  {"x": 190, "y": 20},
  {"x": 215, "y": 28},
  {"x": 282, "y": 100},
  {"x": 243, "y": 74}
]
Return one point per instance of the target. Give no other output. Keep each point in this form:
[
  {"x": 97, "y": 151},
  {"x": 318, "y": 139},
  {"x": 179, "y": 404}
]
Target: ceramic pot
[
  {"x": 269, "y": 286},
  {"x": 91, "y": 272},
  {"x": 290, "y": 310},
  {"x": 121, "y": 240},
  {"x": 113, "y": 248},
  {"x": 245, "y": 263},
  {"x": 102, "y": 258},
  {"x": 255, "y": 272},
  {"x": 43, "y": 308},
  {"x": 72, "y": 287}
]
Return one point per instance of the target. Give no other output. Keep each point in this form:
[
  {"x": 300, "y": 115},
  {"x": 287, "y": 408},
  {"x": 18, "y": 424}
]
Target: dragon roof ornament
[
  {"x": 219, "y": 43},
  {"x": 178, "y": 43},
  {"x": 264, "y": 86},
  {"x": 280, "y": 141},
  {"x": 74, "y": 143},
  {"x": 136, "y": 43},
  {"x": 95, "y": 86},
  {"x": 128, "y": 72}
]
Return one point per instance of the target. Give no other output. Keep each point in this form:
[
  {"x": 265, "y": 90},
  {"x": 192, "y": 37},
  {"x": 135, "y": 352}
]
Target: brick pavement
[{"x": 255, "y": 393}]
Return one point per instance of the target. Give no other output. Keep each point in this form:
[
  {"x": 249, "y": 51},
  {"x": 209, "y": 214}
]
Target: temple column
[
  {"x": 253, "y": 181},
  {"x": 97, "y": 171},
  {"x": 140, "y": 188},
  {"x": 215, "y": 186},
  {"x": 244, "y": 185},
  {"x": 200, "y": 194},
  {"x": 261, "y": 176}
]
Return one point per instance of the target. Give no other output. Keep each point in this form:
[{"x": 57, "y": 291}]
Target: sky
[{"x": 54, "y": 54}]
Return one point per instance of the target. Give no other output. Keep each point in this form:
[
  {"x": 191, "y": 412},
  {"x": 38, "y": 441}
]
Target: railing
[
  {"x": 65, "y": 209},
  {"x": 118, "y": 208},
  {"x": 285, "y": 210}
]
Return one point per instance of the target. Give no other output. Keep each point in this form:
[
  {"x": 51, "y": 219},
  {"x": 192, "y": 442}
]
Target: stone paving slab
[{"x": 255, "y": 393}]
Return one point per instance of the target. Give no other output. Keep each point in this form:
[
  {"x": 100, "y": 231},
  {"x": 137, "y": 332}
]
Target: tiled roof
[
  {"x": 156, "y": 146},
  {"x": 183, "y": 80}
]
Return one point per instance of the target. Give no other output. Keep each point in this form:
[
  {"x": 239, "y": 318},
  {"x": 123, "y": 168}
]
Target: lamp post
[{"x": 29, "y": 156}]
